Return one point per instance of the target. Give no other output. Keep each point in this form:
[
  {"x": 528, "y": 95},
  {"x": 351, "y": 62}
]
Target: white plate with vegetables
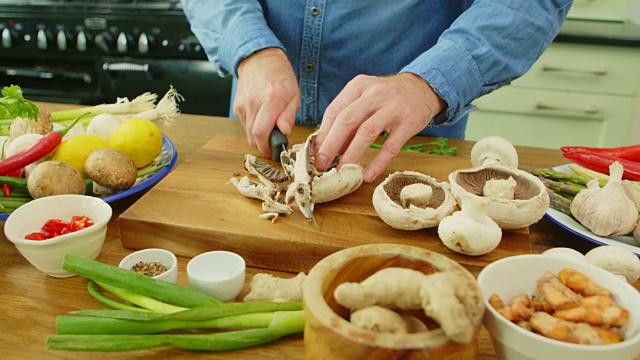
[
  {"x": 148, "y": 176},
  {"x": 573, "y": 226}
]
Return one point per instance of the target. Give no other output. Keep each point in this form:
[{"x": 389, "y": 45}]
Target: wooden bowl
[{"x": 329, "y": 335}]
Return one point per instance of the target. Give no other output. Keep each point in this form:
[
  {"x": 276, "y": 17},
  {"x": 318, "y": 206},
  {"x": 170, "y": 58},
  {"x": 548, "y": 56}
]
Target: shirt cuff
[
  {"x": 452, "y": 74},
  {"x": 241, "y": 42}
]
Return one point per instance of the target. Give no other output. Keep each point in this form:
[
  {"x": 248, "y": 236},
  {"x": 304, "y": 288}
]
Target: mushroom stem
[{"x": 417, "y": 194}]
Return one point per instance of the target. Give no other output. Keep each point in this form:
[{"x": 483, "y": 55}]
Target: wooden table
[{"x": 30, "y": 300}]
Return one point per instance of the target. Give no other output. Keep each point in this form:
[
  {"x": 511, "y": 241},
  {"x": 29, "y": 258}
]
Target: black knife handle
[{"x": 278, "y": 143}]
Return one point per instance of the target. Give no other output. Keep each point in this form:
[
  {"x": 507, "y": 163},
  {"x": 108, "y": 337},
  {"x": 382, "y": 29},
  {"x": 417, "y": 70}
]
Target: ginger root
[
  {"x": 443, "y": 296},
  {"x": 379, "y": 319},
  {"x": 267, "y": 287}
]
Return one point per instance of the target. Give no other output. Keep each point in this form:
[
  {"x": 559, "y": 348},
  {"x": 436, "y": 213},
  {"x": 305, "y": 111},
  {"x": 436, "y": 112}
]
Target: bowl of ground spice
[{"x": 156, "y": 263}]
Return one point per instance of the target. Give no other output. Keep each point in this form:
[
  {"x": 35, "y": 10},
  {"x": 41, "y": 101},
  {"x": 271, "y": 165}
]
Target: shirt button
[
  {"x": 308, "y": 119},
  {"x": 315, "y": 11},
  {"x": 309, "y": 68}
]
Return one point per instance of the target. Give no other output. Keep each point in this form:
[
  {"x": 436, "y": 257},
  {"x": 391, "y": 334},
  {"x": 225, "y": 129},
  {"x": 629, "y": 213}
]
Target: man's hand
[
  {"x": 401, "y": 104},
  {"x": 267, "y": 95}
]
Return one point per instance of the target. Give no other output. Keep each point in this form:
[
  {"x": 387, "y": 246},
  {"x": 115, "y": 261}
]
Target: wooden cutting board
[{"x": 194, "y": 210}]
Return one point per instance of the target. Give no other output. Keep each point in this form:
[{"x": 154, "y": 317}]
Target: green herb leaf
[{"x": 13, "y": 104}]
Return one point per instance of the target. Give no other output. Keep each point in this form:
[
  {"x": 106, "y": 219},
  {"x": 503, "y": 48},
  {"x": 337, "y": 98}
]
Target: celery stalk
[
  {"x": 142, "y": 301},
  {"x": 89, "y": 325},
  {"x": 198, "y": 313},
  {"x": 139, "y": 283},
  {"x": 283, "y": 324}
]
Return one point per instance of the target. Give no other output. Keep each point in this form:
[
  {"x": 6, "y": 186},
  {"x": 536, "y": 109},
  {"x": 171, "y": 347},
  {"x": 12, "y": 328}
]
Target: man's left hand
[{"x": 402, "y": 105}]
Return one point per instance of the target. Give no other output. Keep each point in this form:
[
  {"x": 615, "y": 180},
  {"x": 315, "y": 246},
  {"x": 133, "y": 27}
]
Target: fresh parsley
[{"x": 13, "y": 104}]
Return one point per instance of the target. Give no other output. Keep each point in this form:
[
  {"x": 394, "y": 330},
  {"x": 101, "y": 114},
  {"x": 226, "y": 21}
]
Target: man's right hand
[{"x": 267, "y": 95}]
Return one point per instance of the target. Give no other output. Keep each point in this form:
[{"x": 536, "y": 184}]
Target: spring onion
[
  {"x": 166, "y": 109},
  {"x": 198, "y": 313},
  {"x": 284, "y": 323},
  {"x": 141, "y": 103},
  {"x": 144, "y": 302},
  {"x": 109, "y": 302},
  {"x": 89, "y": 325},
  {"x": 139, "y": 283}
]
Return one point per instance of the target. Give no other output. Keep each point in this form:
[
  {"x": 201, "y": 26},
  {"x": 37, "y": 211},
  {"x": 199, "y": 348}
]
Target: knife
[{"x": 278, "y": 143}]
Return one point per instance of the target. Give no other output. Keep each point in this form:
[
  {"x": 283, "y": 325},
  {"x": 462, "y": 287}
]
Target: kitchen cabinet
[{"x": 575, "y": 94}]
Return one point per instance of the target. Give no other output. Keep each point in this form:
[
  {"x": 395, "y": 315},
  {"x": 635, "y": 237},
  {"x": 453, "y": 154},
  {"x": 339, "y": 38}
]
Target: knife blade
[{"x": 278, "y": 143}]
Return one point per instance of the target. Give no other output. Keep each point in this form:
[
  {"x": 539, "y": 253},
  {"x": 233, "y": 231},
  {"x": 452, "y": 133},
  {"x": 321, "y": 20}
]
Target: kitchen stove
[{"x": 92, "y": 51}]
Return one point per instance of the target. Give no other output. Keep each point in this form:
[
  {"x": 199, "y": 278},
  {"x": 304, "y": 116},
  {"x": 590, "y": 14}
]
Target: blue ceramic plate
[
  {"x": 169, "y": 154},
  {"x": 573, "y": 226}
]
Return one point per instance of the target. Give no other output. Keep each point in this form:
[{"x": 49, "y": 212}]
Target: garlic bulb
[
  {"x": 606, "y": 211},
  {"x": 470, "y": 231}
]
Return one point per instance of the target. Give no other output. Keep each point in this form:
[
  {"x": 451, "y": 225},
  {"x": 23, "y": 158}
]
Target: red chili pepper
[
  {"x": 631, "y": 152},
  {"x": 79, "y": 223},
  {"x": 6, "y": 188},
  {"x": 36, "y": 236},
  {"x": 600, "y": 162},
  {"x": 35, "y": 152},
  {"x": 56, "y": 227}
]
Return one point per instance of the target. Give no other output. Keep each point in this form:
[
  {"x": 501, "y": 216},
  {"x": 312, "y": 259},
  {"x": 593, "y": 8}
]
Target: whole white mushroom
[
  {"x": 565, "y": 253},
  {"x": 616, "y": 260}
]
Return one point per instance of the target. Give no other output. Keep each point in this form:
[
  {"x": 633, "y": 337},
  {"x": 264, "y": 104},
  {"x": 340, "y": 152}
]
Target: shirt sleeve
[
  {"x": 229, "y": 30},
  {"x": 489, "y": 45}
]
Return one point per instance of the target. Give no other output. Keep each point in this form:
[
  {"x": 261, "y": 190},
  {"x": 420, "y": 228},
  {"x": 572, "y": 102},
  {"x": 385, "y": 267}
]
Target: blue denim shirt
[{"x": 462, "y": 48}]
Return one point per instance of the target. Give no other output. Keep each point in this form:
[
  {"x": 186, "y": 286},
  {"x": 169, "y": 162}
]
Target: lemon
[
  {"x": 140, "y": 139},
  {"x": 75, "y": 150}
]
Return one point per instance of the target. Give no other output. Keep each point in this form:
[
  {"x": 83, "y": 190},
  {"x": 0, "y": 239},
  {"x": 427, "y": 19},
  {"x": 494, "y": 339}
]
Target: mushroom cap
[
  {"x": 494, "y": 150},
  {"x": 334, "y": 184},
  {"x": 111, "y": 168},
  {"x": 55, "y": 178},
  {"x": 617, "y": 260},
  {"x": 564, "y": 253},
  {"x": 530, "y": 202},
  {"x": 386, "y": 201}
]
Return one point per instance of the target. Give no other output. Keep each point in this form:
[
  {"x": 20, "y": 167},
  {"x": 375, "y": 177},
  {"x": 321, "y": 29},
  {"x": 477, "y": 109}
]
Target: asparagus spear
[
  {"x": 556, "y": 175},
  {"x": 562, "y": 187},
  {"x": 559, "y": 202}
]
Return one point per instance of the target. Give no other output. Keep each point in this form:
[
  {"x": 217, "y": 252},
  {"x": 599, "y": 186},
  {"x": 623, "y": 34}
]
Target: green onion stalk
[
  {"x": 141, "y": 103},
  {"x": 282, "y": 324}
]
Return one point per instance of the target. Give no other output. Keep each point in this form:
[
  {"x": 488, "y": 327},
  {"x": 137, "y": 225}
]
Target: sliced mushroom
[
  {"x": 388, "y": 203},
  {"x": 335, "y": 183},
  {"x": 271, "y": 205},
  {"x": 253, "y": 189},
  {"x": 530, "y": 199},
  {"x": 267, "y": 174}
]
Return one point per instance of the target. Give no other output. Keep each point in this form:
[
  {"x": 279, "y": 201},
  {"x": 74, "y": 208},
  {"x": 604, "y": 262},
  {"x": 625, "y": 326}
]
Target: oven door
[
  {"x": 54, "y": 80},
  {"x": 205, "y": 92}
]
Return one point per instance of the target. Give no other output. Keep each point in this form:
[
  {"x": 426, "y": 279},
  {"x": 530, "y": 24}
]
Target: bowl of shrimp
[{"x": 542, "y": 307}]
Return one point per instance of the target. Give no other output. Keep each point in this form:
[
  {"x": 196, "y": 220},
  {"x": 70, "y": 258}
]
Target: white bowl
[
  {"x": 217, "y": 273},
  {"x": 511, "y": 276},
  {"x": 164, "y": 257},
  {"x": 48, "y": 255}
]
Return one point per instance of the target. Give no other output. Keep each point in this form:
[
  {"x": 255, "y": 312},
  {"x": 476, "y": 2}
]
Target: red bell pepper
[
  {"x": 631, "y": 152},
  {"x": 36, "y": 236},
  {"x": 56, "y": 227},
  {"x": 600, "y": 162},
  {"x": 37, "y": 151}
]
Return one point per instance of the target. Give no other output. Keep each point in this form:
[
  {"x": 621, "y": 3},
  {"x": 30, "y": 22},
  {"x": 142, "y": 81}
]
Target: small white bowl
[
  {"x": 518, "y": 274},
  {"x": 217, "y": 273},
  {"x": 162, "y": 256},
  {"x": 48, "y": 255}
]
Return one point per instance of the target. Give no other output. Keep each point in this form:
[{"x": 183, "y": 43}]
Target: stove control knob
[
  {"x": 9, "y": 38},
  {"x": 61, "y": 40},
  {"x": 42, "y": 39},
  {"x": 81, "y": 41},
  {"x": 145, "y": 43},
  {"x": 122, "y": 43},
  {"x": 104, "y": 41}
]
